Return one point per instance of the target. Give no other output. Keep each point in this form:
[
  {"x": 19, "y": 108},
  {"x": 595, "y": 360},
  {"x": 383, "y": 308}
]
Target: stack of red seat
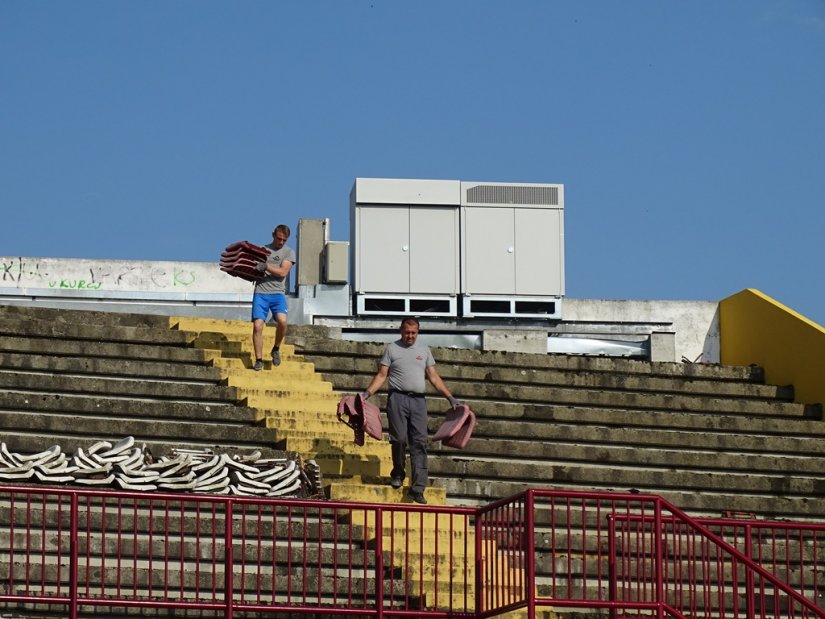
[{"x": 240, "y": 260}]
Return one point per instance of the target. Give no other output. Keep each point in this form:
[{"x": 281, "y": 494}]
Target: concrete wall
[
  {"x": 758, "y": 329},
  {"x": 189, "y": 288},
  {"x": 695, "y": 323},
  {"x": 202, "y": 289}
]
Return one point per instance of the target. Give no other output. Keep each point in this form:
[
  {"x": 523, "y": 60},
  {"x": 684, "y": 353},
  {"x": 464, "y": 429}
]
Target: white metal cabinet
[
  {"x": 408, "y": 250},
  {"x": 406, "y": 246},
  {"x": 538, "y": 255},
  {"x": 489, "y": 251},
  {"x": 512, "y": 251},
  {"x": 383, "y": 249}
]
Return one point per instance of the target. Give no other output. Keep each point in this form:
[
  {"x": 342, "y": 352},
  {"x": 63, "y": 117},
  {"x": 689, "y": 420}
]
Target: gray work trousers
[{"x": 407, "y": 416}]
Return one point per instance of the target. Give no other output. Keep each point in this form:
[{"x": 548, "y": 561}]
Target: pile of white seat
[{"x": 126, "y": 466}]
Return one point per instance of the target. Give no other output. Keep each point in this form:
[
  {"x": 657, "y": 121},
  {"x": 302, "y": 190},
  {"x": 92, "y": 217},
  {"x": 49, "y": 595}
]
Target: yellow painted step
[
  {"x": 264, "y": 395},
  {"x": 193, "y": 323},
  {"x": 373, "y": 493},
  {"x": 323, "y": 446},
  {"x": 316, "y": 431},
  {"x": 307, "y": 402},
  {"x": 278, "y": 379},
  {"x": 345, "y": 467},
  {"x": 288, "y": 365},
  {"x": 309, "y": 425}
]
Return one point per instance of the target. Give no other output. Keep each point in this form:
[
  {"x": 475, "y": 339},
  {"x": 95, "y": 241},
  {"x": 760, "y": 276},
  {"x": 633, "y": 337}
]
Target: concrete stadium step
[
  {"x": 234, "y": 348},
  {"x": 26, "y": 442},
  {"x": 141, "y": 388},
  {"x": 125, "y": 407},
  {"x": 84, "y": 316},
  {"x": 515, "y": 413},
  {"x": 320, "y": 423},
  {"x": 491, "y": 450},
  {"x": 142, "y": 430},
  {"x": 592, "y": 398},
  {"x": 643, "y": 477},
  {"x": 276, "y": 380},
  {"x": 538, "y": 440},
  {"x": 58, "y": 347},
  {"x": 289, "y": 400},
  {"x": 83, "y": 331},
  {"x": 237, "y": 328},
  {"x": 233, "y": 365},
  {"x": 355, "y": 490},
  {"x": 339, "y": 442},
  {"x": 107, "y": 367},
  {"x": 269, "y": 398},
  {"x": 312, "y": 346},
  {"x": 344, "y": 466},
  {"x": 612, "y": 381},
  {"x": 507, "y": 408}
]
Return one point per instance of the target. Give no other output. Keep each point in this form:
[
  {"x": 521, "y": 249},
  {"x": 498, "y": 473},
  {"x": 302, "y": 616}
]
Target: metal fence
[{"x": 86, "y": 552}]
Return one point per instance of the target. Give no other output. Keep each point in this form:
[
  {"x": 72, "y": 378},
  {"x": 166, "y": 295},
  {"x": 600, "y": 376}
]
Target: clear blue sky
[{"x": 690, "y": 135}]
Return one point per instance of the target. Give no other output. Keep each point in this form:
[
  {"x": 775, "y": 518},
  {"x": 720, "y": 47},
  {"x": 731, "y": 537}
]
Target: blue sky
[{"x": 690, "y": 136}]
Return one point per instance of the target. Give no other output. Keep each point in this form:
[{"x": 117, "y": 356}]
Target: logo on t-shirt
[{"x": 419, "y": 358}]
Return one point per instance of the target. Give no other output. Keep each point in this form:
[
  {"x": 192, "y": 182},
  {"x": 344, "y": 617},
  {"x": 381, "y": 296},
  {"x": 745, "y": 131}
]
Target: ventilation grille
[{"x": 513, "y": 194}]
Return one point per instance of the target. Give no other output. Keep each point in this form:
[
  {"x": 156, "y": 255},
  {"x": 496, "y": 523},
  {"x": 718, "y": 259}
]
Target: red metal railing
[
  {"x": 635, "y": 555},
  {"x": 623, "y": 554}
]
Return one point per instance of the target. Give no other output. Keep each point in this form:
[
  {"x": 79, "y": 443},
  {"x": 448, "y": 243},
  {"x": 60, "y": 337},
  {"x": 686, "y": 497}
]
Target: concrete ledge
[
  {"x": 662, "y": 346},
  {"x": 515, "y": 340}
]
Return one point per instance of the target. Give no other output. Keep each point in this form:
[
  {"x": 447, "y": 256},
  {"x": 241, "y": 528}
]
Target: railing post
[
  {"x": 229, "y": 560},
  {"x": 379, "y": 562},
  {"x": 750, "y": 600},
  {"x": 530, "y": 525},
  {"x": 479, "y": 566},
  {"x": 612, "y": 576},
  {"x": 657, "y": 541},
  {"x": 74, "y": 554}
]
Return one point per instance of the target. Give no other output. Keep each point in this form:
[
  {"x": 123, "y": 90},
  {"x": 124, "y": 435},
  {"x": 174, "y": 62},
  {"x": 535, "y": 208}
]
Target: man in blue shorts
[
  {"x": 270, "y": 296},
  {"x": 406, "y": 364}
]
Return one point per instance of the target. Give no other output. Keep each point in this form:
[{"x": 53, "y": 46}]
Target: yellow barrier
[{"x": 755, "y": 328}]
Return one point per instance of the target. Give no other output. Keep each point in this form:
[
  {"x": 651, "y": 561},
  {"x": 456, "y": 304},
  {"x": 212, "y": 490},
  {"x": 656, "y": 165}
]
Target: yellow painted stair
[{"x": 295, "y": 401}]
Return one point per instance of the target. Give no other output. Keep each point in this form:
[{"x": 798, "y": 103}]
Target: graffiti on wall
[{"x": 94, "y": 275}]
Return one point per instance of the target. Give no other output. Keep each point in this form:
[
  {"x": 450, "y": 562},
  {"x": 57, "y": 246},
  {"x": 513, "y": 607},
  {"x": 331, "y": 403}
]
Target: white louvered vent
[{"x": 513, "y": 194}]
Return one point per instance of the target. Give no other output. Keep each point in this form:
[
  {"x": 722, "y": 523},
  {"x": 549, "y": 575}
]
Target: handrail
[{"x": 696, "y": 523}]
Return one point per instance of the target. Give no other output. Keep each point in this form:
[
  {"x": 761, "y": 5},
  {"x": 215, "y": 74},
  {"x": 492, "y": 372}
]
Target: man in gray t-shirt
[
  {"x": 407, "y": 364},
  {"x": 270, "y": 296}
]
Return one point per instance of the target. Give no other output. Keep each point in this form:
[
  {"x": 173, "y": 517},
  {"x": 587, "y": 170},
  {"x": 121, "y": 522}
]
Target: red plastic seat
[
  {"x": 362, "y": 416},
  {"x": 457, "y": 427}
]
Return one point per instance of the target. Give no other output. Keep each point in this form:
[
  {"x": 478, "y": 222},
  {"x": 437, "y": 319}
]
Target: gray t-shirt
[
  {"x": 271, "y": 283},
  {"x": 407, "y": 365}
]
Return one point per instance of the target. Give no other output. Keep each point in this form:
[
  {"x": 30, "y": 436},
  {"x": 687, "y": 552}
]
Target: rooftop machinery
[{"x": 457, "y": 248}]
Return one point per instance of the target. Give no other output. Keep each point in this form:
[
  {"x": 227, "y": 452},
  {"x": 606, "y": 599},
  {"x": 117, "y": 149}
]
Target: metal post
[
  {"x": 530, "y": 525},
  {"x": 229, "y": 563},
  {"x": 657, "y": 541},
  {"x": 74, "y": 554},
  {"x": 611, "y": 564},
  {"x": 379, "y": 562}
]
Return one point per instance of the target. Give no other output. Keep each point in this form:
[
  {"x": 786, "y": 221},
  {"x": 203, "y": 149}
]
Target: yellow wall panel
[{"x": 757, "y": 329}]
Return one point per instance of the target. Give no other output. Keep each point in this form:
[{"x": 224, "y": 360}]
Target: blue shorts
[{"x": 262, "y": 304}]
